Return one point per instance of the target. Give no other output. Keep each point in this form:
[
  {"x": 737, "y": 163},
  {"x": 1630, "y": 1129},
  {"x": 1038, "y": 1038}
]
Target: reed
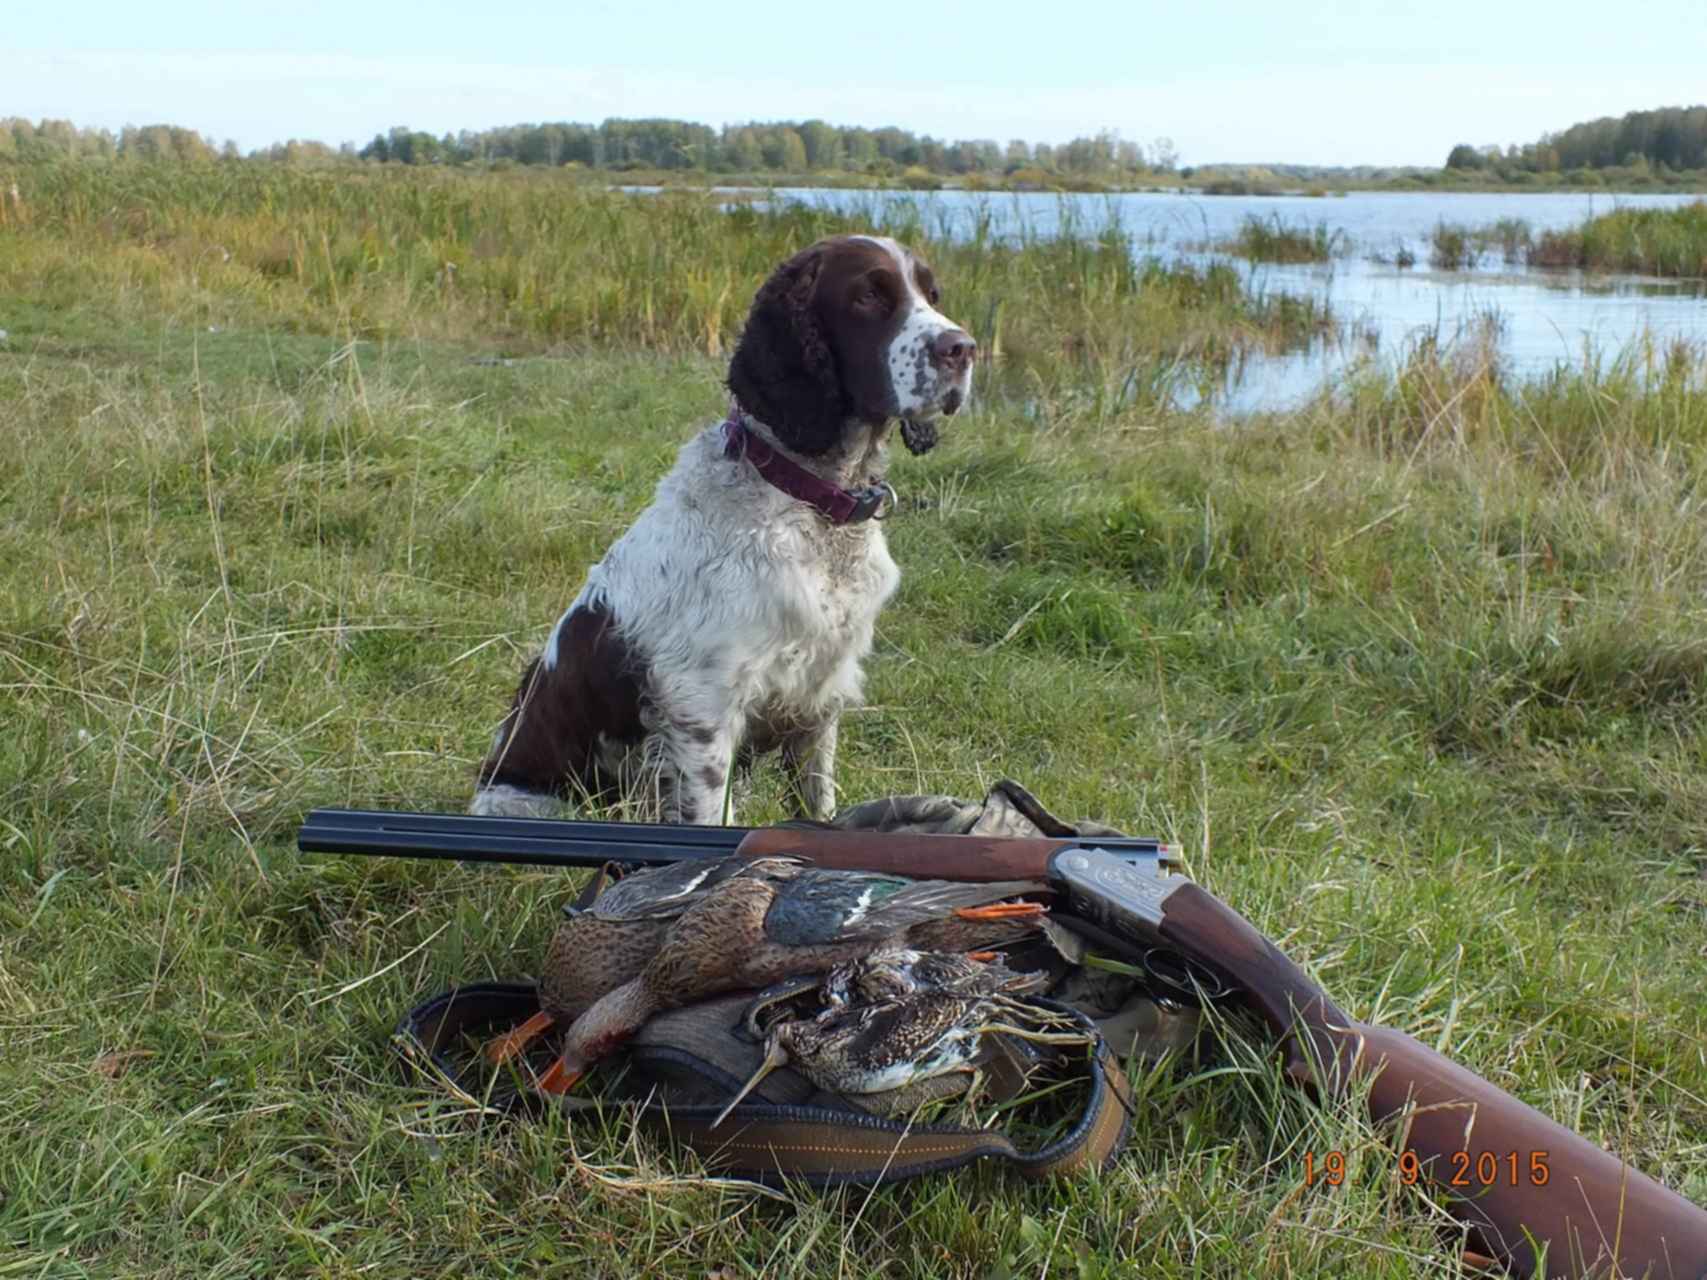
[
  {"x": 1453, "y": 248},
  {"x": 1512, "y": 237},
  {"x": 1657, "y": 242},
  {"x": 1271, "y": 240},
  {"x": 534, "y": 261}
]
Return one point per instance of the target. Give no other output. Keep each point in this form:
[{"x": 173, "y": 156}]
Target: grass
[
  {"x": 1659, "y": 242},
  {"x": 1456, "y": 247},
  {"x": 1511, "y": 236},
  {"x": 1271, "y": 240},
  {"x": 1415, "y": 674},
  {"x": 1453, "y": 248},
  {"x": 537, "y": 262}
]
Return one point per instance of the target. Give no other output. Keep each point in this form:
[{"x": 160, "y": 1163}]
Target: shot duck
[
  {"x": 899, "y": 1025},
  {"x": 669, "y": 937}
]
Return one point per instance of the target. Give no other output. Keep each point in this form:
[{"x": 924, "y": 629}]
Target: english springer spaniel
[{"x": 734, "y": 614}]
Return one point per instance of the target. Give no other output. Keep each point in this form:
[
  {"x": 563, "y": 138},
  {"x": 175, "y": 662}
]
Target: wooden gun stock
[
  {"x": 1519, "y": 1179},
  {"x": 1521, "y": 1182}
]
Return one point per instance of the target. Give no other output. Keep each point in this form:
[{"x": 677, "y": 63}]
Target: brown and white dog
[{"x": 735, "y": 613}]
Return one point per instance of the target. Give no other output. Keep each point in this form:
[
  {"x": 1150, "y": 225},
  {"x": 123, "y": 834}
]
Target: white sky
[{"x": 1315, "y": 81}]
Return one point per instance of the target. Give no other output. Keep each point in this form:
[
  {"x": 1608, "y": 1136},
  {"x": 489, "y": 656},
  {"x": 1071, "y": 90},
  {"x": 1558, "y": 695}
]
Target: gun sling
[{"x": 769, "y": 1142}]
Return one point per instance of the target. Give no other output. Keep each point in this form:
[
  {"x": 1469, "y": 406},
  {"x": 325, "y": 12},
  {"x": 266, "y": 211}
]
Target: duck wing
[
  {"x": 661, "y": 893},
  {"x": 815, "y": 907},
  {"x": 876, "y": 1047}
]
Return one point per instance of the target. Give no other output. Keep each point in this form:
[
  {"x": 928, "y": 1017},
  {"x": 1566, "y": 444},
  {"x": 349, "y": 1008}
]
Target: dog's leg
[
  {"x": 697, "y": 760},
  {"x": 809, "y": 760}
]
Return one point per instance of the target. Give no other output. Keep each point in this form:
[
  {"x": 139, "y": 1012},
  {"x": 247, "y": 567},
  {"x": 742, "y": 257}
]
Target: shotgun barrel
[{"x": 558, "y": 842}]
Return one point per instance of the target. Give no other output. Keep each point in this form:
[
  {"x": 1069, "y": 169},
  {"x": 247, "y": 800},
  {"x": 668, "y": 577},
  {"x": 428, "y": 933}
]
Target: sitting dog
[{"x": 735, "y": 613}]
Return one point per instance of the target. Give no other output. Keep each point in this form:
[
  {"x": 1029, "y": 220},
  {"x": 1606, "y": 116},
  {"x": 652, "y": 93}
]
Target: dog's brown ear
[{"x": 783, "y": 371}]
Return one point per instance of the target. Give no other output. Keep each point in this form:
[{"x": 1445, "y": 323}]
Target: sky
[{"x": 1306, "y": 82}]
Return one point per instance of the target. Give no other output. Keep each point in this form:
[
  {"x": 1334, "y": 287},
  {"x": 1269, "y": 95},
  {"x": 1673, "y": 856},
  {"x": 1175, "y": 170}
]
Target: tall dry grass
[{"x": 526, "y": 261}]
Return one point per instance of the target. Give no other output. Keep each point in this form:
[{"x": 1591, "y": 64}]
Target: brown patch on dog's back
[{"x": 561, "y": 714}]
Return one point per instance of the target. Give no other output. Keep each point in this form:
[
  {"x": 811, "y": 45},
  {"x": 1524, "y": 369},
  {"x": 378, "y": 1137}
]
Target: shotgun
[{"x": 1536, "y": 1197}]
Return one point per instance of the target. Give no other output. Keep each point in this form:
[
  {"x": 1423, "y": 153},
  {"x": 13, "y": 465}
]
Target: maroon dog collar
[{"x": 838, "y": 505}]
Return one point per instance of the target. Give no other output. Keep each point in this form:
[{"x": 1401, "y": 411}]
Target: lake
[{"x": 1544, "y": 317}]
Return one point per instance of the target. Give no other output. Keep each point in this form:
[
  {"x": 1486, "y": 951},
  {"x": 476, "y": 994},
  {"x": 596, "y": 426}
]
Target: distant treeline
[
  {"x": 1670, "y": 139},
  {"x": 60, "y": 139},
  {"x": 809, "y": 146}
]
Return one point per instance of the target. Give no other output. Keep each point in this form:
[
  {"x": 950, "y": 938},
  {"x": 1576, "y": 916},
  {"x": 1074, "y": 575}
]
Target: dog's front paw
[{"x": 506, "y": 801}]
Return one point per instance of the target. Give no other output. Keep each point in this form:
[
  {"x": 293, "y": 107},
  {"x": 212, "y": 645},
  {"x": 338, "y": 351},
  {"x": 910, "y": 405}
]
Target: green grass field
[{"x": 1416, "y": 675}]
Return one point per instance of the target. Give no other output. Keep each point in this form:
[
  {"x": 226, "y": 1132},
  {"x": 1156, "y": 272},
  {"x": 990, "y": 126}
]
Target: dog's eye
[
  {"x": 869, "y": 299},
  {"x": 926, "y": 281}
]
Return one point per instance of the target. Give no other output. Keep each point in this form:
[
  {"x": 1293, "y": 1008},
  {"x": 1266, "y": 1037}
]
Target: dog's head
[{"x": 848, "y": 332}]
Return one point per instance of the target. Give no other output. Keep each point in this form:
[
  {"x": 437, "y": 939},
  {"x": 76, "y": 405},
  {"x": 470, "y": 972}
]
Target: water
[{"x": 1545, "y": 318}]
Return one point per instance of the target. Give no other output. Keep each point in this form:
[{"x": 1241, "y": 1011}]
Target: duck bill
[
  {"x": 561, "y": 1077},
  {"x": 775, "y": 1056}
]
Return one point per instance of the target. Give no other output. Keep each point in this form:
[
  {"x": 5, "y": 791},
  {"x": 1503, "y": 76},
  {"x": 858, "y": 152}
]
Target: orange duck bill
[{"x": 560, "y": 1077}]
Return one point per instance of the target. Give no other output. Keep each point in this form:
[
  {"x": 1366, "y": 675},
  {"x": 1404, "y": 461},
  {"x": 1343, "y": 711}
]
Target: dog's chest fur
[{"x": 742, "y": 598}]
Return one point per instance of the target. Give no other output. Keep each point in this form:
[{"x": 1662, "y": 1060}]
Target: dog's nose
[{"x": 953, "y": 348}]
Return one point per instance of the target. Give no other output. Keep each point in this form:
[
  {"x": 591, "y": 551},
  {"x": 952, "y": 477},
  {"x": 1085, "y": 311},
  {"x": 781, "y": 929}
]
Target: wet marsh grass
[
  {"x": 1453, "y": 248},
  {"x": 1413, "y": 673},
  {"x": 1456, "y": 247},
  {"x": 1273, "y": 240},
  {"x": 1513, "y": 237},
  {"x": 538, "y": 262},
  {"x": 1658, "y": 242}
]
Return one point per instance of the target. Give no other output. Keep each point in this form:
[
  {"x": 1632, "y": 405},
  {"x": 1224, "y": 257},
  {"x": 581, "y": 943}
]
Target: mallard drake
[
  {"x": 754, "y": 922},
  {"x": 899, "y": 1019}
]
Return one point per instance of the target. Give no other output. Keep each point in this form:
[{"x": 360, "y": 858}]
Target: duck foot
[{"x": 1004, "y": 911}]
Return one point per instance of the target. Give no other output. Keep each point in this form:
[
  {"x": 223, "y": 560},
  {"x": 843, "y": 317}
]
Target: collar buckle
[
  {"x": 874, "y": 503},
  {"x": 837, "y": 505}
]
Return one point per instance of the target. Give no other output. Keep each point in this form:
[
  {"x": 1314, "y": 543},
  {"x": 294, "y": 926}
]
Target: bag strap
[
  {"x": 768, "y": 1143},
  {"x": 827, "y": 1147}
]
